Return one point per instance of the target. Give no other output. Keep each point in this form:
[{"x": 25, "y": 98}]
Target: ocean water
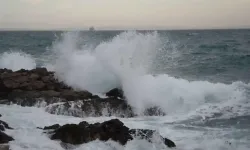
[{"x": 201, "y": 79}]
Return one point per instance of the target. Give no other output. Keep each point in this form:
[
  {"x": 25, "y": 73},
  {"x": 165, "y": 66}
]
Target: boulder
[
  {"x": 4, "y": 138},
  {"x": 109, "y": 130},
  {"x": 115, "y": 93}
]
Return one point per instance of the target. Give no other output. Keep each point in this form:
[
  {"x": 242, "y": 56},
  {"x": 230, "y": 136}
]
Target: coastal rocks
[
  {"x": 36, "y": 83},
  {"x": 115, "y": 93},
  {"x": 109, "y": 130},
  {"x": 95, "y": 107},
  {"x": 4, "y": 138},
  {"x": 149, "y": 135},
  {"x": 39, "y": 87},
  {"x": 4, "y": 125}
]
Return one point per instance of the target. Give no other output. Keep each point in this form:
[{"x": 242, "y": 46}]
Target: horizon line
[{"x": 128, "y": 29}]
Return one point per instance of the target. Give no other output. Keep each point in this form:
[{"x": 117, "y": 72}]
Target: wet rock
[
  {"x": 29, "y": 87},
  {"x": 41, "y": 71},
  {"x": 109, "y": 130},
  {"x": 116, "y": 93},
  {"x": 84, "y": 132},
  {"x": 4, "y": 138},
  {"x": 2, "y": 127},
  {"x": 0, "y": 115},
  {"x": 55, "y": 126},
  {"x": 148, "y": 134},
  {"x": 108, "y": 107},
  {"x": 5, "y": 125},
  {"x": 92, "y": 108}
]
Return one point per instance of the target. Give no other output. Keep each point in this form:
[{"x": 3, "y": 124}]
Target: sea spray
[
  {"x": 126, "y": 61},
  {"x": 16, "y": 60},
  {"x": 106, "y": 66}
]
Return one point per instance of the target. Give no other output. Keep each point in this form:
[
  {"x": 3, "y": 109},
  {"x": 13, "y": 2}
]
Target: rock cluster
[
  {"x": 109, "y": 130},
  {"x": 4, "y": 138},
  {"x": 31, "y": 87}
]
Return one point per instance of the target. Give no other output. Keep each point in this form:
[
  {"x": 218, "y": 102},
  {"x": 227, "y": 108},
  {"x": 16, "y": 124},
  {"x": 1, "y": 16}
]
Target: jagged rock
[
  {"x": 109, "y": 130},
  {"x": 4, "y": 138},
  {"x": 148, "y": 134},
  {"x": 115, "y": 93},
  {"x": 29, "y": 87},
  {"x": 5, "y": 125},
  {"x": 55, "y": 126}
]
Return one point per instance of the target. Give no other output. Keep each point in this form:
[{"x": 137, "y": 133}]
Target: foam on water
[
  {"x": 127, "y": 61},
  {"x": 16, "y": 60},
  {"x": 24, "y": 120}
]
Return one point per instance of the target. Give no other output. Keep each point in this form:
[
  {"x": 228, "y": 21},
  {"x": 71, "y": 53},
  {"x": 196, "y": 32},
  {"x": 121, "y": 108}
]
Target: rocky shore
[
  {"x": 39, "y": 87},
  {"x": 109, "y": 130}
]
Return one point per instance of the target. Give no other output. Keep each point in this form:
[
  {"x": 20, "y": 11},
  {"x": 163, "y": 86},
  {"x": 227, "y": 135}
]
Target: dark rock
[
  {"x": 0, "y": 115},
  {"x": 83, "y": 133},
  {"x": 34, "y": 77},
  {"x": 109, "y": 130},
  {"x": 148, "y": 134},
  {"x": 46, "y": 79},
  {"x": 5, "y": 125},
  {"x": 30, "y": 87},
  {"x": 4, "y": 138},
  {"x": 115, "y": 93},
  {"x": 109, "y": 106},
  {"x": 2, "y": 127},
  {"x": 40, "y": 71},
  {"x": 37, "y": 85},
  {"x": 55, "y": 126}
]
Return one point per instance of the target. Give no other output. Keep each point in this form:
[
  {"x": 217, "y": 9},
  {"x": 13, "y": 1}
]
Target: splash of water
[
  {"x": 103, "y": 68},
  {"x": 126, "y": 62},
  {"x": 16, "y": 60}
]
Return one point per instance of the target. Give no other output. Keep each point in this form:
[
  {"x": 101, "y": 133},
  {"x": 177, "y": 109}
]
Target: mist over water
[
  {"x": 143, "y": 64},
  {"x": 16, "y": 60}
]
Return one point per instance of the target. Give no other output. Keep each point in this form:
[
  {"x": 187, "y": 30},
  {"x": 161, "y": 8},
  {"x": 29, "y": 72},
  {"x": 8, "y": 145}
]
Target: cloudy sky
[{"x": 124, "y": 14}]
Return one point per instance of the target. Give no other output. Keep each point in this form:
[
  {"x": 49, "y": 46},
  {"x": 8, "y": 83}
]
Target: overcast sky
[{"x": 124, "y": 14}]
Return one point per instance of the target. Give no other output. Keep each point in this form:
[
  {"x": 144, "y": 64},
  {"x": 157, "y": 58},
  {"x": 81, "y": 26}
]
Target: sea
[{"x": 199, "y": 78}]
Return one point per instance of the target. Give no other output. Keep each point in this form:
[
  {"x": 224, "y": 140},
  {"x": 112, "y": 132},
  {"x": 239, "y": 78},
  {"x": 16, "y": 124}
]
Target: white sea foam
[
  {"x": 126, "y": 61},
  {"x": 16, "y": 60},
  {"x": 24, "y": 120}
]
